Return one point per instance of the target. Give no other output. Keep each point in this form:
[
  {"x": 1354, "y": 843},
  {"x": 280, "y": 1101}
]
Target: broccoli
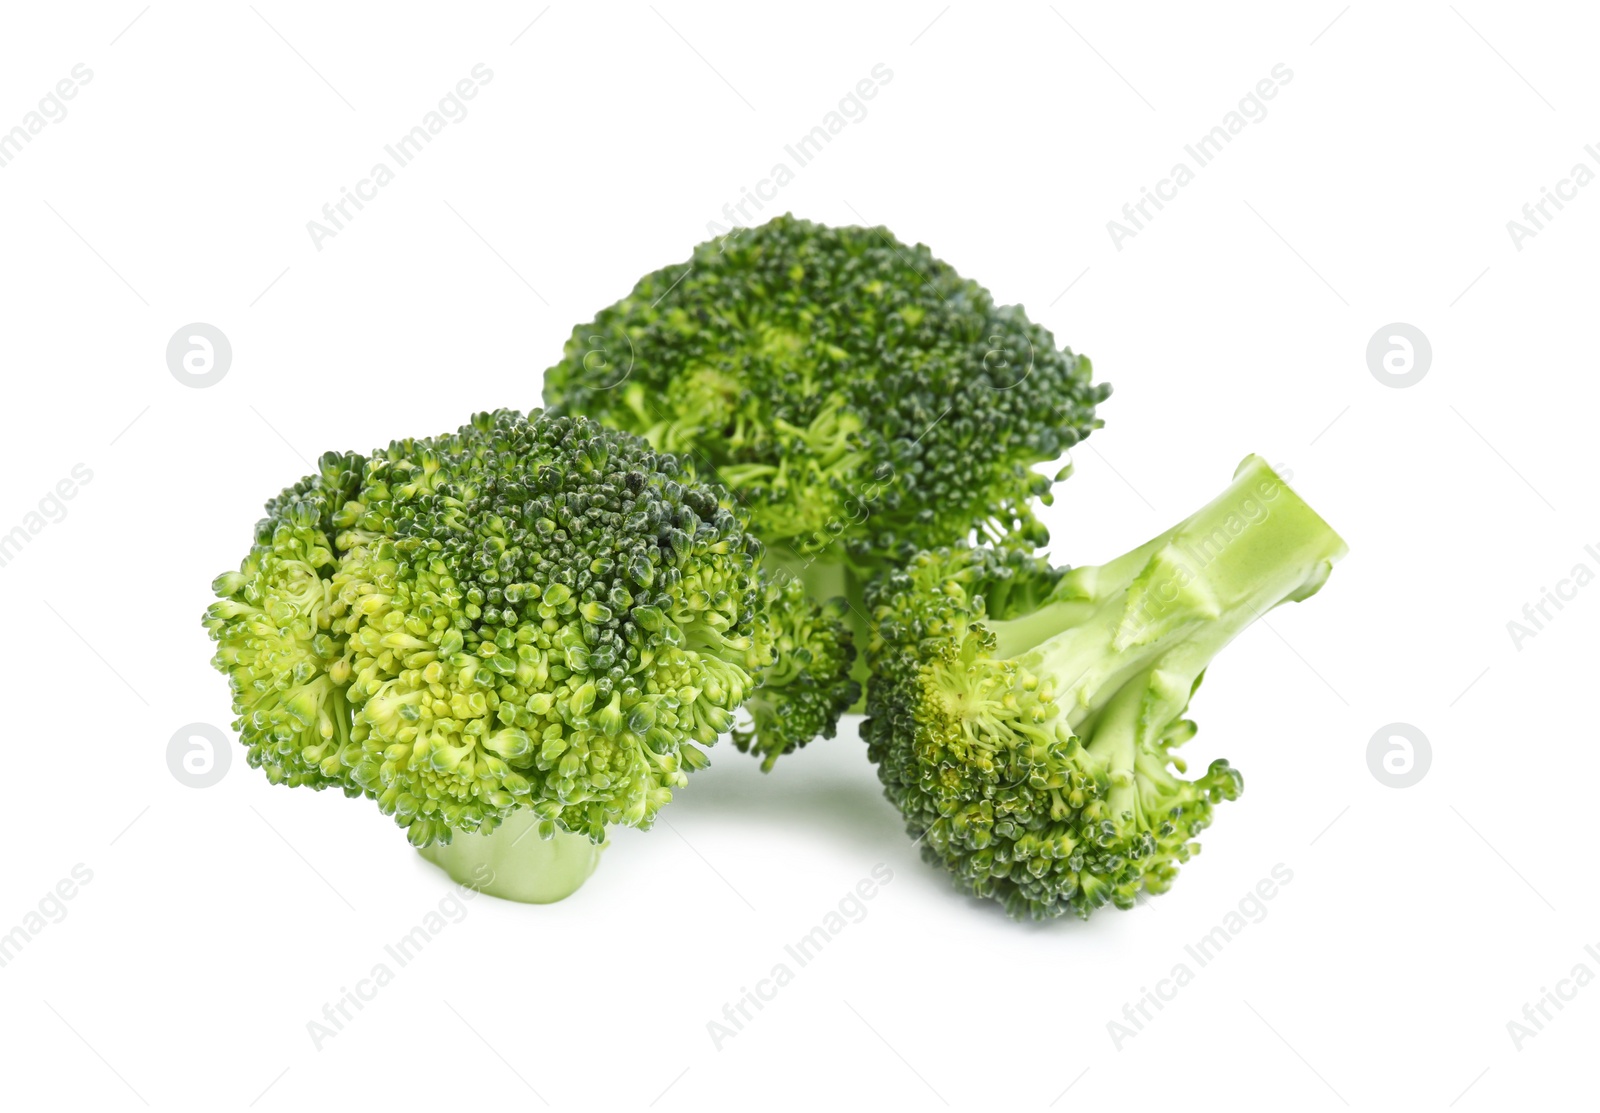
[
  {"x": 863, "y": 399},
  {"x": 1024, "y": 719},
  {"x": 532, "y": 622},
  {"x": 809, "y": 685}
]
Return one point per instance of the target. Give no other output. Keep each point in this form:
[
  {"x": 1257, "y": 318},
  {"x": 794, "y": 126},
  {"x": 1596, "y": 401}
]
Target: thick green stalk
[
  {"x": 1160, "y": 613},
  {"x": 514, "y": 863}
]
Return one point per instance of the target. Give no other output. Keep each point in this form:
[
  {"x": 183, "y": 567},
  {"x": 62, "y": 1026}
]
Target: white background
[{"x": 1377, "y": 189}]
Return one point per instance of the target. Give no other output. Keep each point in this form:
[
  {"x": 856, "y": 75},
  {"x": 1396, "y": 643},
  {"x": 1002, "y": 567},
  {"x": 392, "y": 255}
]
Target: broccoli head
[
  {"x": 863, "y": 399},
  {"x": 1026, "y": 719},
  {"x": 533, "y": 615}
]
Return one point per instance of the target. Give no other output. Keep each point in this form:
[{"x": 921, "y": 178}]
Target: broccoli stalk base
[{"x": 512, "y": 862}]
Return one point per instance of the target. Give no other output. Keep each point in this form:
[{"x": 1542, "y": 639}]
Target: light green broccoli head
[
  {"x": 1026, "y": 720},
  {"x": 533, "y": 612}
]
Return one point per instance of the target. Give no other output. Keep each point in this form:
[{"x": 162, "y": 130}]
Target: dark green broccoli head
[
  {"x": 846, "y": 386},
  {"x": 1026, "y": 719},
  {"x": 532, "y": 612}
]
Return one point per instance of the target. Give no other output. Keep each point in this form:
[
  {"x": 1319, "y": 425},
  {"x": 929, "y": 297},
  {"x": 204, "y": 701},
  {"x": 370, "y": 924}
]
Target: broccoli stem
[
  {"x": 514, "y": 863},
  {"x": 823, "y": 579},
  {"x": 1159, "y": 614}
]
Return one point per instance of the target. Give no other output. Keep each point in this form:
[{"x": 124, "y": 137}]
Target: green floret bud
[
  {"x": 1026, "y": 719},
  {"x": 808, "y": 685}
]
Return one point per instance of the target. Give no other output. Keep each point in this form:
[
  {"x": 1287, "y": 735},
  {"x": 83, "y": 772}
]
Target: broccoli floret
[
  {"x": 280, "y": 631},
  {"x": 1024, "y": 718},
  {"x": 809, "y": 685},
  {"x": 863, "y": 399},
  {"x": 533, "y": 614}
]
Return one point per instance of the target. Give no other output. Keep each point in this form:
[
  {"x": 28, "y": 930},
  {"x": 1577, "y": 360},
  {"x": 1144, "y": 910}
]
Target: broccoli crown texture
[
  {"x": 532, "y": 612},
  {"x": 807, "y": 688},
  {"x": 1025, "y": 719},
  {"x": 847, "y": 387}
]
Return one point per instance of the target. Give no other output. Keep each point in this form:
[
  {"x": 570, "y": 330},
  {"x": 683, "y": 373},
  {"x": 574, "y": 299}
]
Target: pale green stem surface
[{"x": 514, "y": 863}]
